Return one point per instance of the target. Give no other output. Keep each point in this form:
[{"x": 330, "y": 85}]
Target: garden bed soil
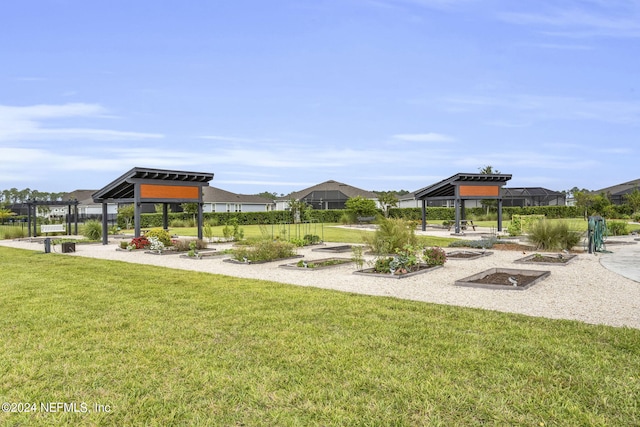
[
  {"x": 334, "y": 249},
  {"x": 546, "y": 259},
  {"x": 423, "y": 268},
  {"x": 203, "y": 254},
  {"x": 331, "y": 262},
  {"x": 235, "y": 261},
  {"x": 499, "y": 278},
  {"x": 467, "y": 255}
]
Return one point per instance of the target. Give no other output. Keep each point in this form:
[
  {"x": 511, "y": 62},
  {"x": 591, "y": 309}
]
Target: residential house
[
  {"x": 617, "y": 193},
  {"x": 218, "y": 200},
  {"x": 327, "y": 195}
]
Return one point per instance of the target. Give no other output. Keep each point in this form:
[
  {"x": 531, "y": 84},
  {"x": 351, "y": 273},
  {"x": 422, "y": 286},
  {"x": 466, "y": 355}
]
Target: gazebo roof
[
  {"x": 446, "y": 189},
  {"x": 122, "y": 188}
]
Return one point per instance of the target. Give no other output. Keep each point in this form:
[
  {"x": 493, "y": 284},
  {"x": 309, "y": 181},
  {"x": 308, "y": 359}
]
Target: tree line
[{"x": 13, "y": 195}]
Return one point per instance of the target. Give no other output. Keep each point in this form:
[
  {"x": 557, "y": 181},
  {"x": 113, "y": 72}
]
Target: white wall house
[{"x": 218, "y": 200}]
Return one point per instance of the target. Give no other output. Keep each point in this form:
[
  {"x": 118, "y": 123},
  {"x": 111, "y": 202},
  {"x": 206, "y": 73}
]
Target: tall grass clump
[
  {"x": 617, "y": 228},
  {"x": 265, "y": 250},
  {"x": 392, "y": 235},
  {"x": 92, "y": 230},
  {"x": 549, "y": 236},
  {"x": 12, "y": 232}
]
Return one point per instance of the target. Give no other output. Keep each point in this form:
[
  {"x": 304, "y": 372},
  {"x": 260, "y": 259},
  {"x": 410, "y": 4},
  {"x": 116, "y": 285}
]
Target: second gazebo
[{"x": 461, "y": 187}]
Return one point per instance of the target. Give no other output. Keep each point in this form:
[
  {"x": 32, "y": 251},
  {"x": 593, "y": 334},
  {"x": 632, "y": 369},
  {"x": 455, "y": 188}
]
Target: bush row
[{"x": 334, "y": 216}]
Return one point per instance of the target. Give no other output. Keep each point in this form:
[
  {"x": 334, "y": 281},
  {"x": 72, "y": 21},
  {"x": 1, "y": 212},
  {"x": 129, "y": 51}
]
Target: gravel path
[{"x": 582, "y": 290}]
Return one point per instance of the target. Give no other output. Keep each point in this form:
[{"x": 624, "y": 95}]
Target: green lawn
[
  {"x": 167, "y": 347},
  {"x": 327, "y": 232}
]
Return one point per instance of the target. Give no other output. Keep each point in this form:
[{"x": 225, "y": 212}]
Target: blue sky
[{"x": 283, "y": 94}]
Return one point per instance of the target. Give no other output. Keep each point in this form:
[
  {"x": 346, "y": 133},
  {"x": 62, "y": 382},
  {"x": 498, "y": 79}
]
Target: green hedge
[
  {"x": 333, "y": 216},
  {"x": 244, "y": 218}
]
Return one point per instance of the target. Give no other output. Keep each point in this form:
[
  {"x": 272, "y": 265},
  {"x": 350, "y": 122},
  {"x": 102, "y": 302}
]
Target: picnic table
[{"x": 464, "y": 224}]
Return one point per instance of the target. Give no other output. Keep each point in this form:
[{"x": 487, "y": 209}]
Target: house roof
[
  {"x": 529, "y": 192},
  {"x": 447, "y": 187},
  {"x": 217, "y": 195},
  {"x": 84, "y": 197},
  {"x": 330, "y": 186},
  {"x": 620, "y": 189},
  {"x": 122, "y": 188}
]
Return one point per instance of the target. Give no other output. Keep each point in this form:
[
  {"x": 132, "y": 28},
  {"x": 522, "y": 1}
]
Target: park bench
[
  {"x": 367, "y": 219},
  {"x": 52, "y": 228}
]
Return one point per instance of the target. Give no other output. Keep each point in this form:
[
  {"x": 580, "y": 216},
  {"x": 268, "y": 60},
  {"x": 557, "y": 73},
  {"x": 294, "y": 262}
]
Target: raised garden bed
[
  {"x": 334, "y": 249},
  {"x": 504, "y": 278},
  {"x": 210, "y": 253},
  {"x": 235, "y": 261},
  {"x": 546, "y": 259},
  {"x": 317, "y": 264},
  {"x": 467, "y": 255},
  {"x": 422, "y": 268}
]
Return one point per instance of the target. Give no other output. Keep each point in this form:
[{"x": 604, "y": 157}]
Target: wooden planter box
[
  {"x": 547, "y": 259},
  {"x": 467, "y": 255},
  {"x": 68, "y": 247},
  {"x": 488, "y": 279},
  {"x": 334, "y": 249},
  {"x": 235, "y": 261},
  {"x": 294, "y": 265},
  {"x": 370, "y": 272}
]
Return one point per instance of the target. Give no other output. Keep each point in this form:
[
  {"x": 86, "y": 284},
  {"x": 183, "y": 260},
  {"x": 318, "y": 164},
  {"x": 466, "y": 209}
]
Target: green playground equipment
[{"x": 596, "y": 234}]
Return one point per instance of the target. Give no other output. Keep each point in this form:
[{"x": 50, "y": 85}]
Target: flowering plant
[
  {"x": 139, "y": 243},
  {"x": 434, "y": 256}
]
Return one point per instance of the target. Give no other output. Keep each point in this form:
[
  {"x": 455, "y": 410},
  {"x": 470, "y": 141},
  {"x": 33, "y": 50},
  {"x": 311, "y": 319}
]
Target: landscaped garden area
[{"x": 174, "y": 347}]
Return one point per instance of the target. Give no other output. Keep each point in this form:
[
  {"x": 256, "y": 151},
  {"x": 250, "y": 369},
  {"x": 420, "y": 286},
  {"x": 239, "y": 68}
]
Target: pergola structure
[
  {"x": 32, "y": 206},
  {"x": 461, "y": 187},
  {"x": 143, "y": 185}
]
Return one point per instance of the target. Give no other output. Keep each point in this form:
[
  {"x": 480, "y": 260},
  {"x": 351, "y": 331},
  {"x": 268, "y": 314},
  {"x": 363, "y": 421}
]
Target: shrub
[
  {"x": 391, "y": 236},
  {"x": 162, "y": 235},
  {"x": 617, "y": 228},
  {"x": 183, "y": 245},
  {"x": 265, "y": 250},
  {"x": 434, "y": 256},
  {"x": 347, "y": 218},
  {"x": 178, "y": 223},
  {"x": 92, "y": 230},
  {"x": 550, "y": 237},
  {"x": 139, "y": 242}
]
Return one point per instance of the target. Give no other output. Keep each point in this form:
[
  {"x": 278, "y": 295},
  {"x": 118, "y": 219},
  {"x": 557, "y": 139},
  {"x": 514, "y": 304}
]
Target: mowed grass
[
  {"x": 166, "y": 347},
  {"x": 327, "y": 232}
]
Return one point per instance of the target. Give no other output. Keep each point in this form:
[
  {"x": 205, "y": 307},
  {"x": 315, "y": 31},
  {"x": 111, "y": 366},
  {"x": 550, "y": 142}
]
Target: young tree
[
  {"x": 584, "y": 201},
  {"x": 388, "y": 200},
  {"x": 359, "y": 206},
  {"x": 633, "y": 200},
  {"x": 298, "y": 208},
  {"x": 127, "y": 214},
  {"x": 191, "y": 209}
]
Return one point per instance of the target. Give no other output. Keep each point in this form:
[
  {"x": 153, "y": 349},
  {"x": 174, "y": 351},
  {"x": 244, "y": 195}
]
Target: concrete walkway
[{"x": 624, "y": 259}]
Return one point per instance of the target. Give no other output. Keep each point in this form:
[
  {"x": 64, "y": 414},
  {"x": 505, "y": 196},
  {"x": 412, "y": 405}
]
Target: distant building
[
  {"x": 327, "y": 195},
  {"x": 218, "y": 200},
  {"x": 617, "y": 193}
]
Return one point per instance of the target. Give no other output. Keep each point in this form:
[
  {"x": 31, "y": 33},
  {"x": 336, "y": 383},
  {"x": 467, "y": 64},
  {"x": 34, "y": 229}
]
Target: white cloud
[
  {"x": 525, "y": 108},
  {"x": 423, "y": 137},
  {"x": 580, "y": 19},
  {"x": 28, "y": 124}
]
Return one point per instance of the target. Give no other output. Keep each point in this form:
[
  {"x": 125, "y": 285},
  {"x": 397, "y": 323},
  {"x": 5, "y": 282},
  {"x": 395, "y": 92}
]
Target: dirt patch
[{"x": 503, "y": 279}]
